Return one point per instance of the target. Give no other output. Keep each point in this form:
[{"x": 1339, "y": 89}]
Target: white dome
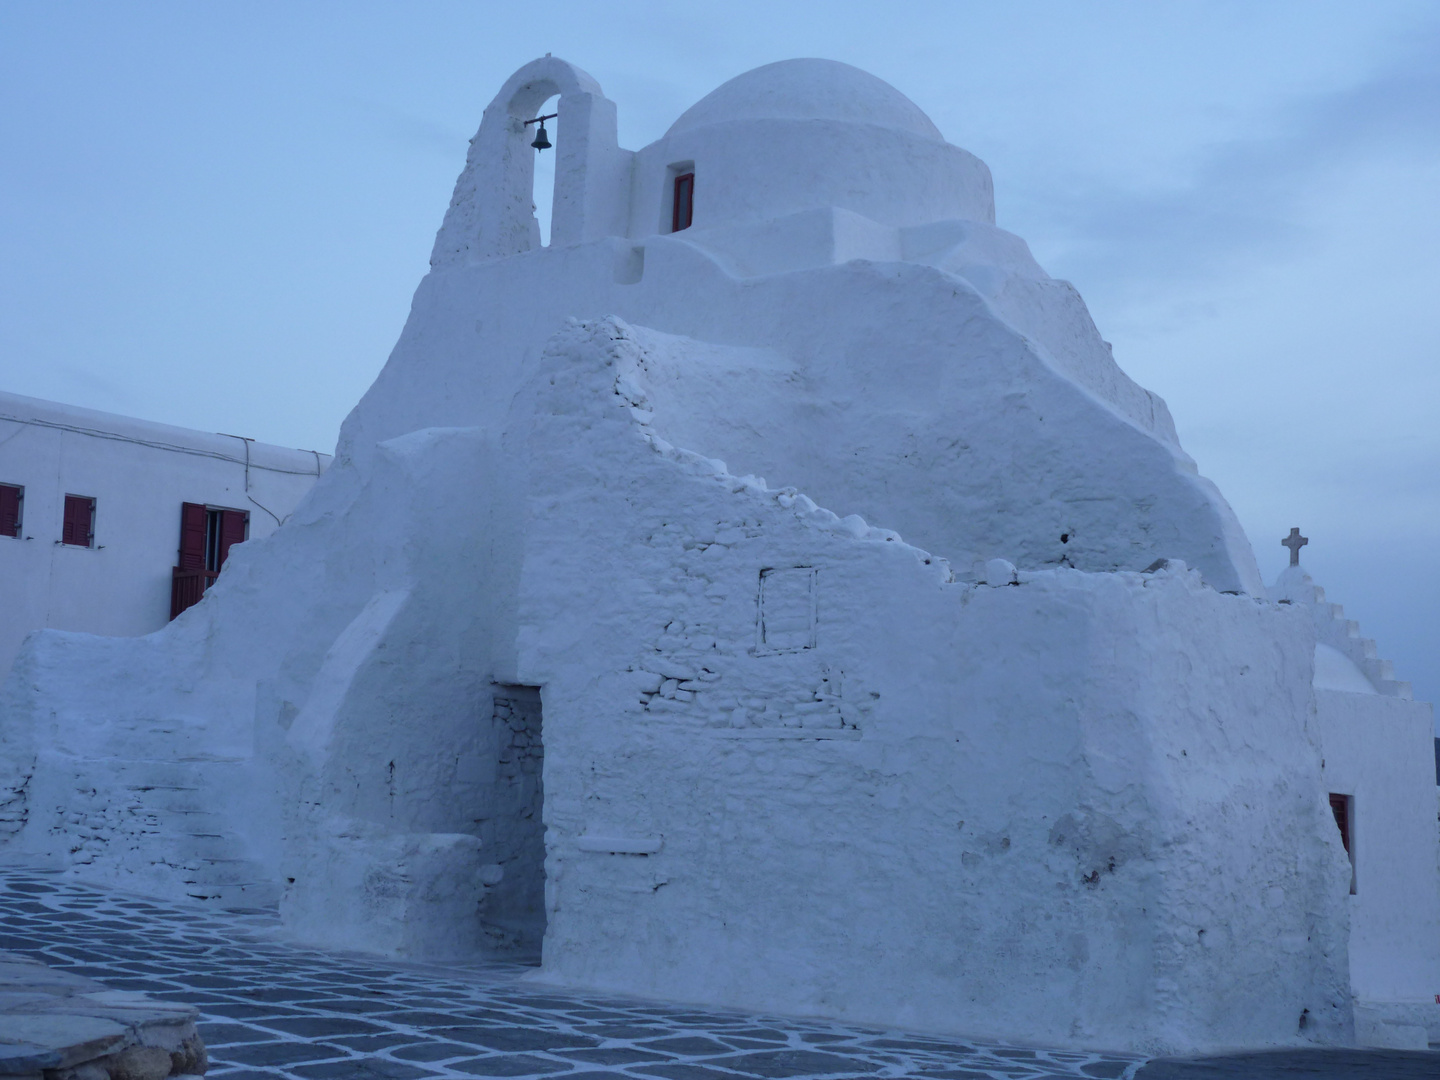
[{"x": 808, "y": 90}]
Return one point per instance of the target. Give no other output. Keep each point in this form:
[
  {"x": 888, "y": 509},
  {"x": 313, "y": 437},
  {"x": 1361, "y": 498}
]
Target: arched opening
[{"x": 543, "y": 193}]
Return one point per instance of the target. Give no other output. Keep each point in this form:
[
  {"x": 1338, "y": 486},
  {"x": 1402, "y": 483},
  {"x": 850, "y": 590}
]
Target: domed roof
[{"x": 808, "y": 90}]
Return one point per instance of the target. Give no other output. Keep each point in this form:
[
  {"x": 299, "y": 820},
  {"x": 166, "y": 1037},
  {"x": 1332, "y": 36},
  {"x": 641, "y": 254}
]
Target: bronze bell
[{"x": 542, "y": 140}]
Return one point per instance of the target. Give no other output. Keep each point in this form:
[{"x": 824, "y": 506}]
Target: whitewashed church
[{"x": 772, "y": 594}]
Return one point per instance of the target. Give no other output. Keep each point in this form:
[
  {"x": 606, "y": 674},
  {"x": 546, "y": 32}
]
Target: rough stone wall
[{"x": 1043, "y": 811}]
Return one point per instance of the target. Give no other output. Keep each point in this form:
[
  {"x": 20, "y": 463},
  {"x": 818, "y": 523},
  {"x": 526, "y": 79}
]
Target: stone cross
[{"x": 1295, "y": 542}]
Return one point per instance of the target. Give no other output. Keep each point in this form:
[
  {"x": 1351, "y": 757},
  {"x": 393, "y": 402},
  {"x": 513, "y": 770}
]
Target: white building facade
[{"x": 94, "y": 533}]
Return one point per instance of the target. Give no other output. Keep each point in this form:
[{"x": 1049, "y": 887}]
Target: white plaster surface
[
  {"x": 1378, "y": 747},
  {"x": 966, "y": 768},
  {"x": 1381, "y": 751}
]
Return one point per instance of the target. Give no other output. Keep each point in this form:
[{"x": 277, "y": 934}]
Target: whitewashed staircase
[
  {"x": 1295, "y": 586},
  {"x": 158, "y": 826}
]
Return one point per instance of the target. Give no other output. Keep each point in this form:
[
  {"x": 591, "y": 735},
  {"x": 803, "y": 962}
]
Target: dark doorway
[{"x": 514, "y": 832}]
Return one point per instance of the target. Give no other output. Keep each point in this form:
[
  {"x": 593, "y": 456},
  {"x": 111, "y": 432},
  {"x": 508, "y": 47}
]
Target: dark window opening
[
  {"x": 12, "y": 501},
  {"x": 682, "y": 212},
  {"x": 1343, "y": 807},
  {"x": 206, "y": 536},
  {"x": 78, "y": 529}
]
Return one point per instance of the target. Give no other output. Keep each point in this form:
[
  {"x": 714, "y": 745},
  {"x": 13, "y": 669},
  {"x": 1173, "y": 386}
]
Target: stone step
[
  {"x": 188, "y": 848},
  {"x": 219, "y": 872},
  {"x": 260, "y": 894},
  {"x": 57, "y": 1023}
]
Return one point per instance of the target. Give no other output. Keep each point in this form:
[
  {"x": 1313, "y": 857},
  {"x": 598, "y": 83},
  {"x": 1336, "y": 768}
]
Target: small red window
[
  {"x": 11, "y": 498},
  {"x": 1340, "y": 807},
  {"x": 1343, "y": 807},
  {"x": 79, "y": 527},
  {"x": 683, "y": 212}
]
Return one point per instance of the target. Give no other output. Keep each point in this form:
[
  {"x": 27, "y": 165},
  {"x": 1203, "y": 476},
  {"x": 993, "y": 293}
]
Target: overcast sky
[{"x": 214, "y": 215}]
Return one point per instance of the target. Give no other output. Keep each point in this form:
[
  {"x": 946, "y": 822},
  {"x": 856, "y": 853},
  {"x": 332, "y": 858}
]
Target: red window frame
[
  {"x": 1340, "y": 807},
  {"x": 12, "y": 499},
  {"x": 682, "y": 202},
  {"x": 78, "y": 527},
  {"x": 1343, "y": 807}
]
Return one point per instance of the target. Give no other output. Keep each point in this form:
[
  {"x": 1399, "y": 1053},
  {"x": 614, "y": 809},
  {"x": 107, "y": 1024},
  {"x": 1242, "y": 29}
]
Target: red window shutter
[
  {"x": 683, "y": 207},
  {"x": 192, "y": 536},
  {"x": 234, "y": 524},
  {"x": 9, "y": 510},
  {"x": 79, "y": 519}
]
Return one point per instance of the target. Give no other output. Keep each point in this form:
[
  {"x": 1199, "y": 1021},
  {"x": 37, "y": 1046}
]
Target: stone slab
[{"x": 53, "y": 1019}]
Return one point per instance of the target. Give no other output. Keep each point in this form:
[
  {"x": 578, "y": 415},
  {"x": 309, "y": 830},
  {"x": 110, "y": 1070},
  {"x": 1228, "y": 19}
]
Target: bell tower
[{"x": 490, "y": 216}]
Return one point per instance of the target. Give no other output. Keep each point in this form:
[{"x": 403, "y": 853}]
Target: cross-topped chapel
[{"x": 770, "y": 593}]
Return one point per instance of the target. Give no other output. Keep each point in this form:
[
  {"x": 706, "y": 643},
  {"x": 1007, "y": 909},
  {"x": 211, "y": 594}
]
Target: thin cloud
[{"x": 1244, "y": 199}]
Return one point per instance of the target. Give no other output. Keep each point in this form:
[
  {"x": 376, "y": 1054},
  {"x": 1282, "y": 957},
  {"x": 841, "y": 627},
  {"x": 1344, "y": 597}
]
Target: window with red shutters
[
  {"x": 206, "y": 536},
  {"x": 12, "y": 497},
  {"x": 78, "y": 529},
  {"x": 682, "y": 212},
  {"x": 194, "y": 520}
]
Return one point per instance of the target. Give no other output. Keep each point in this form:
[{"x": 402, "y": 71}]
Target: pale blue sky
[{"x": 214, "y": 215}]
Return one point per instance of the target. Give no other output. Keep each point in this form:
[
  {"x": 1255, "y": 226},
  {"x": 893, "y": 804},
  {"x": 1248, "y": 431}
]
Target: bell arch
[{"x": 490, "y": 214}]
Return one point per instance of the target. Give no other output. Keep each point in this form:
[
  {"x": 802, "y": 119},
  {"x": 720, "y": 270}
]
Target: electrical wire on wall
[
  {"x": 247, "y": 441},
  {"x": 172, "y": 447}
]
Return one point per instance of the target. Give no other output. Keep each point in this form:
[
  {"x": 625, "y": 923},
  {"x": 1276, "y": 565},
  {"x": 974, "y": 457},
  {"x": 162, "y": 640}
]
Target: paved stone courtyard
[{"x": 271, "y": 1009}]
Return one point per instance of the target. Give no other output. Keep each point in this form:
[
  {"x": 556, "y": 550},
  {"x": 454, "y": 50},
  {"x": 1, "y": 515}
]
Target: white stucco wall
[
  {"x": 1378, "y": 745},
  {"x": 139, "y": 473},
  {"x": 1381, "y": 751}
]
